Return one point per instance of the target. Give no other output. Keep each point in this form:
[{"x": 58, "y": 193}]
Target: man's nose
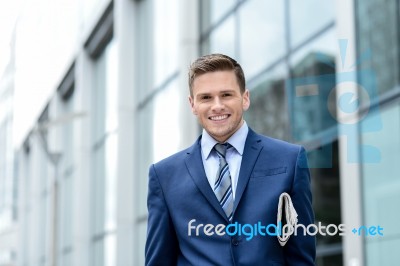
[{"x": 218, "y": 104}]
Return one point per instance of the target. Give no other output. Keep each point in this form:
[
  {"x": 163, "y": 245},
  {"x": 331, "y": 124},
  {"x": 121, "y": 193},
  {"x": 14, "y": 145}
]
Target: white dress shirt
[{"x": 233, "y": 155}]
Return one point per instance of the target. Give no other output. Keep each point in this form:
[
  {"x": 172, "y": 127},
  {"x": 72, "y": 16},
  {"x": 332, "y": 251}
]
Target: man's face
[{"x": 218, "y": 103}]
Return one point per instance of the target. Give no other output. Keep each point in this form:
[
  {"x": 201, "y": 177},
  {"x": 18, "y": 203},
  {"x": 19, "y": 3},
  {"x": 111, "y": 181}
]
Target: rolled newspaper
[{"x": 287, "y": 217}]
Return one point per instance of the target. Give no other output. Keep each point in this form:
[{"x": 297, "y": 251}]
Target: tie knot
[{"x": 221, "y": 148}]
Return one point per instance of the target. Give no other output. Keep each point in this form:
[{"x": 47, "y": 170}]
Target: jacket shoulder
[
  {"x": 173, "y": 159},
  {"x": 279, "y": 145}
]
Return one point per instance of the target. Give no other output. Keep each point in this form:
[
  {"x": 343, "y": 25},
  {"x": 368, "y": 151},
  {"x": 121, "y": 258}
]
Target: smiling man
[{"x": 230, "y": 175}]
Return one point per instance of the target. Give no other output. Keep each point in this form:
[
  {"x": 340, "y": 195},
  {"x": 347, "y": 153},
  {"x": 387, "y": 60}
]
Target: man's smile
[{"x": 218, "y": 117}]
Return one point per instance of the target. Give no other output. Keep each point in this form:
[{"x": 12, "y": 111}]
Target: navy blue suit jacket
[{"x": 179, "y": 192}]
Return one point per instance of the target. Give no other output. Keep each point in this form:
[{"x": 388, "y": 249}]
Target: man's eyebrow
[
  {"x": 225, "y": 91},
  {"x": 202, "y": 94}
]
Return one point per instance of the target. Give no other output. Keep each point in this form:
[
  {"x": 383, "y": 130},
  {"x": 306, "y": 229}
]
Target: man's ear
[
  {"x": 246, "y": 100},
  {"x": 191, "y": 102}
]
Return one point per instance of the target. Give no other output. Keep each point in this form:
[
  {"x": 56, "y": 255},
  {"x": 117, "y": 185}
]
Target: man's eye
[
  {"x": 226, "y": 94},
  {"x": 205, "y": 97}
]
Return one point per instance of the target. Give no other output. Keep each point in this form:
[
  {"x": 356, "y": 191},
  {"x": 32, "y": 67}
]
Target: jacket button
[{"x": 235, "y": 242}]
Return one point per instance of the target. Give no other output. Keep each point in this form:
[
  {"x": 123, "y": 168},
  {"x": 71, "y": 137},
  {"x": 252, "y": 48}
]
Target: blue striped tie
[{"x": 223, "y": 183}]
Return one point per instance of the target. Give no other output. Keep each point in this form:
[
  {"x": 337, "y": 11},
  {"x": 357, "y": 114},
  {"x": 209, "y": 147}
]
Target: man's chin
[{"x": 218, "y": 134}]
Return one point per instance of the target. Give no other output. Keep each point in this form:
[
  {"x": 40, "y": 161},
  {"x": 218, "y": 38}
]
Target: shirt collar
[{"x": 237, "y": 140}]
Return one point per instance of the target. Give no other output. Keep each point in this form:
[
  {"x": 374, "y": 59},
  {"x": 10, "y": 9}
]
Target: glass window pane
[
  {"x": 214, "y": 10},
  {"x": 307, "y": 17},
  {"x": 325, "y": 188},
  {"x": 268, "y": 110},
  {"x": 98, "y": 100},
  {"x": 110, "y": 245},
  {"x": 104, "y": 251},
  {"x": 166, "y": 134},
  {"x": 166, "y": 25},
  {"x": 105, "y": 93},
  {"x": 382, "y": 253},
  {"x": 98, "y": 253},
  {"x": 111, "y": 90},
  {"x": 43, "y": 233},
  {"x": 262, "y": 34},
  {"x": 141, "y": 233},
  {"x": 68, "y": 213},
  {"x": 104, "y": 185},
  {"x": 222, "y": 39},
  {"x": 66, "y": 259},
  {"x": 68, "y": 140},
  {"x": 110, "y": 186},
  {"x": 326, "y": 46},
  {"x": 312, "y": 88},
  {"x": 381, "y": 183},
  {"x": 65, "y": 217},
  {"x": 145, "y": 146},
  {"x": 330, "y": 260},
  {"x": 98, "y": 199},
  {"x": 378, "y": 42}
]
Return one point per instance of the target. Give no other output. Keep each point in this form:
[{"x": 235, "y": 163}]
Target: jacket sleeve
[
  {"x": 300, "y": 249},
  {"x": 161, "y": 244}
]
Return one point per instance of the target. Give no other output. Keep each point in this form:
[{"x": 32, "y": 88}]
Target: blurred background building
[{"x": 95, "y": 91}]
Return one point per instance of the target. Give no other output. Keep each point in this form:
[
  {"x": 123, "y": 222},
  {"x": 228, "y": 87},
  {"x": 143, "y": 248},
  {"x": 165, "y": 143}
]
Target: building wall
[
  {"x": 8, "y": 196},
  {"x": 83, "y": 165}
]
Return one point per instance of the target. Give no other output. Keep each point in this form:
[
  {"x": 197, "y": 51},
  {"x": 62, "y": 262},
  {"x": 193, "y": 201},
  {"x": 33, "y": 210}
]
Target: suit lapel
[
  {"x": 251, "y": 151},
  {"x": 194, "y": 164}
]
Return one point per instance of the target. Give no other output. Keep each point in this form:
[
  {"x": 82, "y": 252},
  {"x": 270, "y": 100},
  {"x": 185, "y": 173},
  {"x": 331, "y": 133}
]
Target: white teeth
[{"x": 219, "y": 117}]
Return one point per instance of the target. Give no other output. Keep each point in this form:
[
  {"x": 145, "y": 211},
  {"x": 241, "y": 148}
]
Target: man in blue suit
[{"x": 215, "y": 203}]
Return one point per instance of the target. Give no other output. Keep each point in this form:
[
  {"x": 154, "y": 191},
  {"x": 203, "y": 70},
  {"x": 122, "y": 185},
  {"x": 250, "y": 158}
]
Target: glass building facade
[
  {"x": 378, "y": 51},
  {"x": 276, "y": 45},
  {"x": 116, "y": 102},
  {"x": 8, "y": 167}
]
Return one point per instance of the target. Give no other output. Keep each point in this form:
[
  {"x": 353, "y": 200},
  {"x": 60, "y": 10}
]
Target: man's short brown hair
[{"x": 213, "y": 63}]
